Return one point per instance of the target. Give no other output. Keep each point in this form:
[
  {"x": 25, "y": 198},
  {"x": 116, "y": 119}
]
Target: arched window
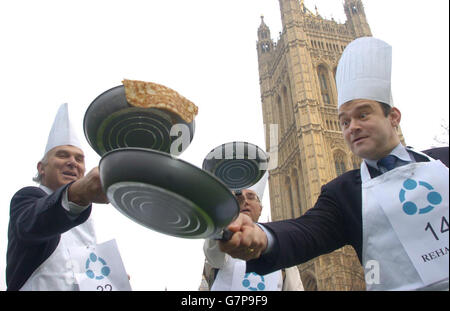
[
  {"x": 339, "y": 163},
  {"x": 322, "y": 73},
  {"x": 280, "y": 114},
  {"x": 356, "y": 162},
  {"x": 287, "y": 102},
  {"x": 290, "y": 198},
  {"x": 296, "y": 191}
]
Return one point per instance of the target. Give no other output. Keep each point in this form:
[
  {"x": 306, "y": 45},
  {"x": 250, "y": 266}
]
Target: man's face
[
  {"x": 64, "y": 164},
  {"x": 367, "y": 131},
  {"x": 249, "y": 204}
]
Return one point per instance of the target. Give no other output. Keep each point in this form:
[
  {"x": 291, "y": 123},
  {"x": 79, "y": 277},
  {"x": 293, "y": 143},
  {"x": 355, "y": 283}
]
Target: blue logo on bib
[
  {"x": 246, "y": 282},
  {"x": 409, "y": 207},
  {"x": 104, "y": 270}
]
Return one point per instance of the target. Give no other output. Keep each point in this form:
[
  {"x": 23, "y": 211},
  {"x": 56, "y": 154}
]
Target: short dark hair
[{"x": 386, "y": 108}]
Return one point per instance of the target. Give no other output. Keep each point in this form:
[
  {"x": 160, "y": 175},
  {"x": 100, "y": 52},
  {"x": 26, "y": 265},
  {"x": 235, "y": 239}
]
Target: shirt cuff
[
  {"x": 72, "y": 208},
  {"x": 270, "y": 239}
]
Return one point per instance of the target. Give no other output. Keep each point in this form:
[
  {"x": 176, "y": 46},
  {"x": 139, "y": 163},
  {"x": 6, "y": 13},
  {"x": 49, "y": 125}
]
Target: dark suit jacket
[
  {"x": 333, "y": 222},
  {"x": 36, "y": 223}
]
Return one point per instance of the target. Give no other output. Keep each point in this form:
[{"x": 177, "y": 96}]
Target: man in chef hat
[
  {"x": 46, "y": 221},
  {"x": 224, "y": 273},
  {"x": 386, "y": 210}
]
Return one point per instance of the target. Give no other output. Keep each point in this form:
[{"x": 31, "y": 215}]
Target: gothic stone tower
[{"x": 298, "y": 92}]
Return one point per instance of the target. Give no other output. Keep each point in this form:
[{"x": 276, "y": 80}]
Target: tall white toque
[
  {"x": 364, "y": 71},
  {"x": 260, "y": 186},
  {"x": 62, "y": 132}
]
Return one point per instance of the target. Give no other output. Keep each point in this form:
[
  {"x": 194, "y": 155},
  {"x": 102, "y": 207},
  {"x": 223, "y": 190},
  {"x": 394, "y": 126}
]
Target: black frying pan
[
  {"x": 237, "y": 164},
  {"x": 167, "y": 195},
  {"x": 110, "y": 123}
]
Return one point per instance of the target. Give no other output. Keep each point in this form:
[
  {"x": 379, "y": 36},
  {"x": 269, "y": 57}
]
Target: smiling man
[
  {"x": 386, "y": 210},
  {"x": 55, "y": 170},
  {"x": 47, "y": 221}
]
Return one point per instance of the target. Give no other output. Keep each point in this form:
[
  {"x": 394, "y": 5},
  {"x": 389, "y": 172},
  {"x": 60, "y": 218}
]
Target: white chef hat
[
  {"x": 62, "y": 132},
  {"x": 364, "y": 71},
  {"x": 260, "y": 186}
]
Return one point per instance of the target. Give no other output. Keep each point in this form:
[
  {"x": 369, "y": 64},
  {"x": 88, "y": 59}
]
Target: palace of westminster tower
[{"x": 298, "y": 92}]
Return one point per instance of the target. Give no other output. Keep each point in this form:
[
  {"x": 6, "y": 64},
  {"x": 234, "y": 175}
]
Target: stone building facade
[{"x": 298, "y": 94}]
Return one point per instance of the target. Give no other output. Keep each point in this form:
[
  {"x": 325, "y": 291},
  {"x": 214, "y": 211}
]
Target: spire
[
  {"x": 356, "y": 17},
  {"x": 353, "y": 7},
  {"x": 305, "y": 10},
  {"x": 265, "y": 43},
  {"x": 263, "y": 26},
  {"x": 263, "y": 31},
  {"x": 302, "y": 5}
]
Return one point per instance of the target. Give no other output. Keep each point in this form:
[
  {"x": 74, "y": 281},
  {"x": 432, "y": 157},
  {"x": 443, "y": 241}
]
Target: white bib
[
  {"x": 405, "y": 227},
  {"x": 232, "y": 277},
  {"x": 56, "y": 273}
]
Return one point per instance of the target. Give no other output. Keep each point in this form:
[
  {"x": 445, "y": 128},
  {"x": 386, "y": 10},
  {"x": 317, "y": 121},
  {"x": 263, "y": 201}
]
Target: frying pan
[
  {"x": 167, "y": 195},
  {"x": 239, "y": 165},
  {"x": 110, "y": 123}
]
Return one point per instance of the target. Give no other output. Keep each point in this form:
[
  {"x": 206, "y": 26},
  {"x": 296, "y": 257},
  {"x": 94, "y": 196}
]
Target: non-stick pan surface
[
  {"x": 239, "y": 165},
  {"x": 110, "y": 123},
  {"x": 165, "y": 194}
]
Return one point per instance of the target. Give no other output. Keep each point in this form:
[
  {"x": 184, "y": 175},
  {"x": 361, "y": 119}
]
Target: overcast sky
[{"x": 71, "y": 51}]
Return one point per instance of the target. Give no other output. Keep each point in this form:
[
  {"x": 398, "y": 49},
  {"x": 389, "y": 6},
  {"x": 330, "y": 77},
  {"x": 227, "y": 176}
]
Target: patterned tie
[{"x": 388, "y": 162}]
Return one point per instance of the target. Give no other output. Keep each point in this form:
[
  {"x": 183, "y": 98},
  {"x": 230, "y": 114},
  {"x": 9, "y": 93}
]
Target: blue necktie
[{"x": 387, "y": 162}]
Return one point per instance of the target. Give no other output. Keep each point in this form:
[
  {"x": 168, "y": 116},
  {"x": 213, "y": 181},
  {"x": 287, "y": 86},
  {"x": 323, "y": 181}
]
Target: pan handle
[{"x": 225, "y": 235}]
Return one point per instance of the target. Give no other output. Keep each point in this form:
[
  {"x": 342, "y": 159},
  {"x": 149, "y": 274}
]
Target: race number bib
[
  {"x": 416, "y": 205},
  {"x": 99, "y": 268},
  {"x": 254, "y": 282}
]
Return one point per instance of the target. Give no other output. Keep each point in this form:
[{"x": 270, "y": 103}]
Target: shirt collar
[
  {"x": 399, "y": 151},
  {"x": 46, "y": 189}
]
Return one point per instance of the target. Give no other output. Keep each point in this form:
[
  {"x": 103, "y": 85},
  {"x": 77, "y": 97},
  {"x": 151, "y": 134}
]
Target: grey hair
[{"x": 38, "y": 177}]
